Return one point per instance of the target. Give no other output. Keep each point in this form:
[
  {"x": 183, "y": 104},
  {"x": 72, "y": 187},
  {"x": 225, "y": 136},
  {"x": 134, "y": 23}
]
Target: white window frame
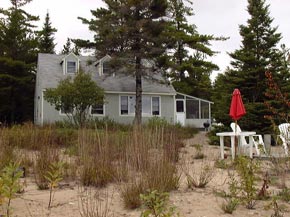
[
  {"x": 98, "y": 114},
  {"x": 143, "y": 114}
]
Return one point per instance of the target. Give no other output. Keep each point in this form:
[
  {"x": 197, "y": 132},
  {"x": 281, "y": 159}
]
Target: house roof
[{"x": 50, "y": 72}]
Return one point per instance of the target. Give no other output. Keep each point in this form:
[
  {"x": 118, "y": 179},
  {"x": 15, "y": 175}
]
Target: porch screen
[
  {"x": 192, "y": 109},
  {"x": 204, "y": 110}
]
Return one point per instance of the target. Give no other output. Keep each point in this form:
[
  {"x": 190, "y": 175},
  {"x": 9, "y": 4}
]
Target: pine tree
[
  {"x": 18, "y": 55},
  {"x": 67, "y": 48},
  {"x": 131, "y": 30},
  {"x": 46, "y": 38},
  {"x": 257, "y": 54},
  {"x": 187, "y": 59}
]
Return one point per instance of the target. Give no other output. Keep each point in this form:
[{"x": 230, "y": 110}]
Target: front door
[{"x": 180, "y": 112}]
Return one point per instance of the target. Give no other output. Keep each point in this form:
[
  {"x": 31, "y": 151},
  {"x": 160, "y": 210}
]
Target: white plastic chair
[
  {"x": 257, "y": 140},
  {"x": 285, "y": 135}
]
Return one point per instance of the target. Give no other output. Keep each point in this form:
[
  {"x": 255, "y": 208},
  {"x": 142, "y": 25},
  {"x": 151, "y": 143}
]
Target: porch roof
[{"x": 193, "y": 97}]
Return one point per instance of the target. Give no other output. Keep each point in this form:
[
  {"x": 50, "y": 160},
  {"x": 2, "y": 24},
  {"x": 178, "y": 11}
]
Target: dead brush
[
  {"x": 200, "y": 175},
  {"x": 95, "y": 203},
  {"x": 45, "y": 157},
  {"x": 281, "y": 168},
  {"x": 97, "y": 167},
  {"x": 130, "y": 192},
  {"x": 162, "y": 175}
]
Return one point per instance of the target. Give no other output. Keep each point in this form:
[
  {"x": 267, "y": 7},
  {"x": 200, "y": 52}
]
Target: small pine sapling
[
  {"x": 10, "y": 184},
  {"x": 53, "y": 176}
]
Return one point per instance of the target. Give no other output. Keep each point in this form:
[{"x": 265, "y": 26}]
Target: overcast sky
[{"x": 217, "y": 17}]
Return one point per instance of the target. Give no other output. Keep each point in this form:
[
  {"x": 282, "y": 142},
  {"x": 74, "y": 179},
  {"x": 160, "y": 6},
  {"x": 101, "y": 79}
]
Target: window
[
  {"x": 155, "y": 106},
  {"x": 150, "y": 105},
  {"x": 106, "y": 68},
  {"x": 66, "y": 110},
  {"x": 192, "y": 109},
  {"x": 124, "y": 105},
  {"x": 179, "y": 106},
  {"x": 71, "y": 67},
  {"x": 97, "y": 109},
  {"x": 146, "y": 105},
  {"x": 204, "y": 110}
]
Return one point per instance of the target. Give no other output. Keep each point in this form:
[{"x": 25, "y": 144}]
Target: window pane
[
  {"x": 146, "y": 105},
  {"x": 71, "y": 67},
  {"x": 132, "y": 101},
  {"x": 192, "y": 109},
  {"x": 179, "y": 106},
  {"x": 204, "y": 110},
  {"x": 106, "y": 68},
  {"x": 155, "y": 106},
  {"x": 97, "y": 109},
  {"x": 124, "y": 105}
]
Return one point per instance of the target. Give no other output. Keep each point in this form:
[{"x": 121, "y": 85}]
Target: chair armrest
[
  {"x": 282, "y": 138},
  {"x": 258, "y": 138}
]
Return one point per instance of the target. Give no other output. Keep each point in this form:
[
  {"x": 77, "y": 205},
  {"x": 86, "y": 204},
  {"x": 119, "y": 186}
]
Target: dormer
[
  {"x": 70, "y": 64},
  {"x": 103, "y": 65}
]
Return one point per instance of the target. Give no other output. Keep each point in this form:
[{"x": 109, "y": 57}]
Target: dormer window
[
  {"x": 70, "y": 64},
  {"x": 71, "y": 67},
  {"x": 106, "y": 68}
]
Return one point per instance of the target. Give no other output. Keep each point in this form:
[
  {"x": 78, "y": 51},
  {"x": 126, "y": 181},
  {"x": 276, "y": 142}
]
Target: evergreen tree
[
  {"x": 67, "y": 48},
  {"x": 131, "y": 30},
  {"x": 18, "y": 52},
  {"x": 187, "y": 57},
  {"x": 46, "y": 38},
  {"x": 257, "y": 54}
]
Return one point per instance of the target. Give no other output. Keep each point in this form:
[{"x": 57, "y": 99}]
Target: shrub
[
  {"x": 221, "y": 164},
  {"x": 247, "y": 170},
  {"x": 94, "y": 204},
  {"x": 156, "y": 204},
  {"x": 285, "y": 194},
  {"x": 53, "y": 176},
  {"x": 231, "y": 198},
  {"x": 162, "y": 175},
  {"x": 230, "y": 205},
  {"x": 198, "y": 152},
  {"x": 279, "y": 210},
  {"x": 45, "y": 157},
  {"x": 9, "y": 184},
  {"x": 130, "y": 193},
  {"x": 199, "y": 177},
  {"x": 157, "y": 122},
  {"x": 95, "y": 158}
]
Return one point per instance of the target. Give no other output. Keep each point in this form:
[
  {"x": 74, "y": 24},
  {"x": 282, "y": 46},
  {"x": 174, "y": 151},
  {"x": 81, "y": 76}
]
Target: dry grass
[{"x": 98, "y": 157}]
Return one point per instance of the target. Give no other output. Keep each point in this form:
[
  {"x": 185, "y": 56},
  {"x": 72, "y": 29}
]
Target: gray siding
[{"x": 112, "y": 110}]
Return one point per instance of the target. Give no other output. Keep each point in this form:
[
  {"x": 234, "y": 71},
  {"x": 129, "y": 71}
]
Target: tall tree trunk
[{"x": 138, "y": 104}]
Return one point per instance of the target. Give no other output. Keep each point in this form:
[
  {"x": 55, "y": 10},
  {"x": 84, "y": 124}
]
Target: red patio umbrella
[{"x": 237, "y": 109}]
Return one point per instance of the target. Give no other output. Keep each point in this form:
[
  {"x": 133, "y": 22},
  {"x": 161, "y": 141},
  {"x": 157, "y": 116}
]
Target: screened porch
[{"x": 192, "y": 111}]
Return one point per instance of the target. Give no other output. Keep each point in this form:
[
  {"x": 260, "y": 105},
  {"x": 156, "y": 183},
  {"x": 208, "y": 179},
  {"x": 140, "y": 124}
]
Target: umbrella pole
[{"x": 236, "y": 138}]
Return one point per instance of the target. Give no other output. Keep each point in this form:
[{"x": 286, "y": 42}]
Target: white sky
[{"x": 217, "y": 17}]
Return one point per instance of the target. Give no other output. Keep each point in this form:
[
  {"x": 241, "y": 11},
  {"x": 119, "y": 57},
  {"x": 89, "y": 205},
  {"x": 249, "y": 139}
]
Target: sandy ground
[{"x": 189, "y": 203}]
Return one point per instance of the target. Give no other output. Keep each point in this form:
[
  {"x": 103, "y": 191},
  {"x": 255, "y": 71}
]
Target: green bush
[
  {"x": 157, "y": 122},
  {"x": 156, "y": 204},
  {"x": 213, "y": 138},
  {"x": 247, "y": 170},
  {"x": 285, "y": 194}
]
